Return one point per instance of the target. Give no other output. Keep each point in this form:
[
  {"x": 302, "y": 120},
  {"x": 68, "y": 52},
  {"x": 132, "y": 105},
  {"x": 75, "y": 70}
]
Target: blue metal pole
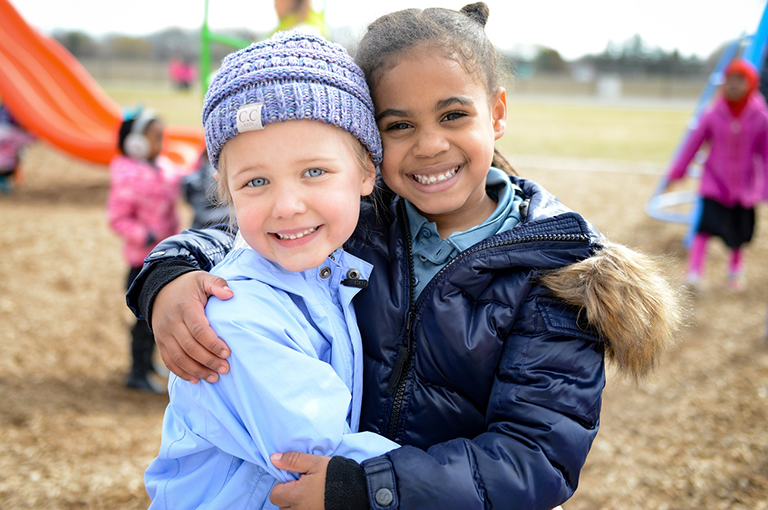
[{"x": 755, "y": 52}]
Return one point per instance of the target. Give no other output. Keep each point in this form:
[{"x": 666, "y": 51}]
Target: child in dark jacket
[
  {"x": 199, "y": 189},
  {"x": 489, "y": 312},
  {"x": 735, "y": 173}
]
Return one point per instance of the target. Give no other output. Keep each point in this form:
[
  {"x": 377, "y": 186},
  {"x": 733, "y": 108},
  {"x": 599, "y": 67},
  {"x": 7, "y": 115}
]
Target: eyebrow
[
  {"x": 443, "y": 103},
  {"x": 391, "y": 112}
]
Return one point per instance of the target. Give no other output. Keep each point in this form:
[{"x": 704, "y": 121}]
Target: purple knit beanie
[{"x": 290, "y": 76}]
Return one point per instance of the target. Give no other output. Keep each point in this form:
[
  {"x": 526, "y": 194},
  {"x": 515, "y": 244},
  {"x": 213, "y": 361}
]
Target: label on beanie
[{"x": 249, "y": 117}]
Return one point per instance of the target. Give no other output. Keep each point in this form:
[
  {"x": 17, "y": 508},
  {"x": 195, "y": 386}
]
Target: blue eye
[
  {"x": 257, "y": 182},
  {"x": 314, "y": 172}
]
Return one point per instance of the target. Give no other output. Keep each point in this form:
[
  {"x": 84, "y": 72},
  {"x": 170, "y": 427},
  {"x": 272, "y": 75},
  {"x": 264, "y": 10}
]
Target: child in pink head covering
[{"x": 733, "y": 180}]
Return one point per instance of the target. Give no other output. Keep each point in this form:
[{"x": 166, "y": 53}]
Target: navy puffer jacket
[{"x": 491, "y": 383}]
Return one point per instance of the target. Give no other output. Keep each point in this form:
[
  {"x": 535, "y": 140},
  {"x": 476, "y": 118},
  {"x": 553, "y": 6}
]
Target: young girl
[
  {"x": 142, "y": 210},
  {"x": 734, "y": 175},
  {"x": 295, "y": 151},
  {"x": 486, "y": 321}
]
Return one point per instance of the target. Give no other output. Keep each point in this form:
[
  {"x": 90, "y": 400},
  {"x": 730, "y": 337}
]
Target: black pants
[{"x": 142, "y": 339}]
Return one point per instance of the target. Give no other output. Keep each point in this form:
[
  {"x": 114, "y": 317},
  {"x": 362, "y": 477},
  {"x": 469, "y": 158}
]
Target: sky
[{"x": 572, "y": 27}]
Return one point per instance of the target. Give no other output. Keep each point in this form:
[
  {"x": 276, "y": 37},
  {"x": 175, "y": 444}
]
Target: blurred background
[
  {"x": 602, "y": 94},
  {"x": 656, "y": 48}
]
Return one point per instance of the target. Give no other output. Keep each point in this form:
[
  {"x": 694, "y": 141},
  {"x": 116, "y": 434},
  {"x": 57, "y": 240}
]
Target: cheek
[
  {"x": 248, "y": 211},
  {"x": 390, "y": 162}
]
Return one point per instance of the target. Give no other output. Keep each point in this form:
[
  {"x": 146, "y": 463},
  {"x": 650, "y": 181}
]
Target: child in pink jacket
[
  {"x": 733, "y": 180},
  {"x": 142, "y": 210}
]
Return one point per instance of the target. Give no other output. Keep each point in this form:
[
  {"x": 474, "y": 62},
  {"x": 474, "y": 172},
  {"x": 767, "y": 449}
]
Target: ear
[
  {"x": 499, "y": 112},
  {"x": 217, "y": 176},
  {"x": 366, "y": 187}
]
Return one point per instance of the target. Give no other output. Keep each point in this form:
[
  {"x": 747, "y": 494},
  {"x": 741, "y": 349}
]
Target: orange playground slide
[{"x": 52, "y": 96}]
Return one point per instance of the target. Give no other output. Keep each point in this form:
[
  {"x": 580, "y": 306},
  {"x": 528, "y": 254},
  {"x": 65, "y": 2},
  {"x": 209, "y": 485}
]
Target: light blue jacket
[{"x": 295, "y": 383}]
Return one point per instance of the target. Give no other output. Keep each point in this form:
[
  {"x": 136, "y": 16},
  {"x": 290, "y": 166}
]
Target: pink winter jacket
[
  {"x": 142, "y": 200},
  {"x": 736, "y": 167}
]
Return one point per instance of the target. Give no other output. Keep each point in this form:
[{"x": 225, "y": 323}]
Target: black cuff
[
  {"x": 148, "y": 285},
  {"x": 345, "y": 487}
]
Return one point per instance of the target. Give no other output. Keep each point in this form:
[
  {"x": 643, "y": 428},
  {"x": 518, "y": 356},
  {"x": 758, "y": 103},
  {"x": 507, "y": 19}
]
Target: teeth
[
  {"x": 296, "y": 236},
  {"x": 432, "y": 179}
]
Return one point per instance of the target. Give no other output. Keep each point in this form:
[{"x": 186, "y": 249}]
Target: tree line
[{"x": 631, "y": 57}]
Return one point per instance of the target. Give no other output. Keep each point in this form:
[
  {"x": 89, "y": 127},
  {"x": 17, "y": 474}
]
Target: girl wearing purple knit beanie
[
  {"x": 290, "y": 129},
  {"x": 486, "y": 322}
]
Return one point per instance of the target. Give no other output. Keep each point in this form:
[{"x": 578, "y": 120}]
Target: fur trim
[{"x": 628, "y": 299}]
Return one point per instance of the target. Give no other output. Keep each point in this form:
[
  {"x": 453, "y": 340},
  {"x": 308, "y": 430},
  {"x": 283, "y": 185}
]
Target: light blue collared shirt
[{"x": 431, "y": 253}]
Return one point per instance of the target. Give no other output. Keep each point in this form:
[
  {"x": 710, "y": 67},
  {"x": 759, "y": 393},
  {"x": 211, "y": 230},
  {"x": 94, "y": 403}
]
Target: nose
[
  {"x": 288, "y": 201},
  {"x": 429, "y": 143}
]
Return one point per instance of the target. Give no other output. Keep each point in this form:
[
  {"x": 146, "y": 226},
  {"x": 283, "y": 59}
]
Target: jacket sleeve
[
  {"x": 189, "y": 251},
  {"x": 542, "y": 417},
  {"x": 292, "y": 401},
  {"x": 691, "y": 146},
  {"x": 762, "y": 150}
]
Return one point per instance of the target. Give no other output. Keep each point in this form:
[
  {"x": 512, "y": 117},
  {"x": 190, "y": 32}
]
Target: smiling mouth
[
  {"x": 435, "y": 178},
  {"x": 297, "y": 235}
]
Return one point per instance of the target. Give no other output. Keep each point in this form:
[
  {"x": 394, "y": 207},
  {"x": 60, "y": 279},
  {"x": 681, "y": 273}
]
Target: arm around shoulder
[{"x": 191, "y": 250}]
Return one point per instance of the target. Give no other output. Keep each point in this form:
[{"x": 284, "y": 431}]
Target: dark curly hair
[{"x": 461, "y": 34}]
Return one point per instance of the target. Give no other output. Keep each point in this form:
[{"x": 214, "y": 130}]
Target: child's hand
[
  {"x": 306, "y": 493},
  {"x": 187, "y": 344}
]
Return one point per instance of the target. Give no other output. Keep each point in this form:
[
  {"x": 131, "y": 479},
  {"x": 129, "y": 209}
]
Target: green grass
[
  {"x": 593, "y": 131},
  {"x": 534, "y": 127},
  {"x": 175, "y": 107}
]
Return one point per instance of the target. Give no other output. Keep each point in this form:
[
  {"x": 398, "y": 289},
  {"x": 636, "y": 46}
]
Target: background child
[
  {"x": 734, "y": 174},
  {"x": 295, "y": 177},
  {"x": 141, "y": 209},
  {"x": 300, "y": 16},
  {"x": 13, "y": 139},
  {"x": 199, "y": 189},
  {"x": 492, "y": 305}
]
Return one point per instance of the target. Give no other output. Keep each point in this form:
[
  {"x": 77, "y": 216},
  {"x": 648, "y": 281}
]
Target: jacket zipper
[
  {"x": 397, "y": 380},
  {"x": 399, "y": 377}
]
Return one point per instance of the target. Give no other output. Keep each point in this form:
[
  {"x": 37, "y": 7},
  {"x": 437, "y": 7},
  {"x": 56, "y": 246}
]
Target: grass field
[{"x": 577, "y": 128}]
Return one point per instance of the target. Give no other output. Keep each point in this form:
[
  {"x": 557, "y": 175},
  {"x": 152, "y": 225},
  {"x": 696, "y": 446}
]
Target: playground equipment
[
  {"x": 52, "y": 96},
  {"x": 314, "y": 18},
  {"x": 661, "y": 205}
]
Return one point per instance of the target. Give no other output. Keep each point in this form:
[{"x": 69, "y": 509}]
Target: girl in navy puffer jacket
[{"x": 492, "y": 306}]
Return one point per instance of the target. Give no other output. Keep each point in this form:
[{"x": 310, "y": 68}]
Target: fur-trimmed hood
[{"x": 629, "y": 300}]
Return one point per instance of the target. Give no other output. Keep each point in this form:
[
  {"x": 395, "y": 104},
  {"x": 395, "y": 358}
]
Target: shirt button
[
  {"x": 422, "y": 258},
  {"x": 353, "y": 274},
  {"x": 426, "y": 232},
  {"x": 384, "y": 497},
  {"x": 325, "y": 272}
]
